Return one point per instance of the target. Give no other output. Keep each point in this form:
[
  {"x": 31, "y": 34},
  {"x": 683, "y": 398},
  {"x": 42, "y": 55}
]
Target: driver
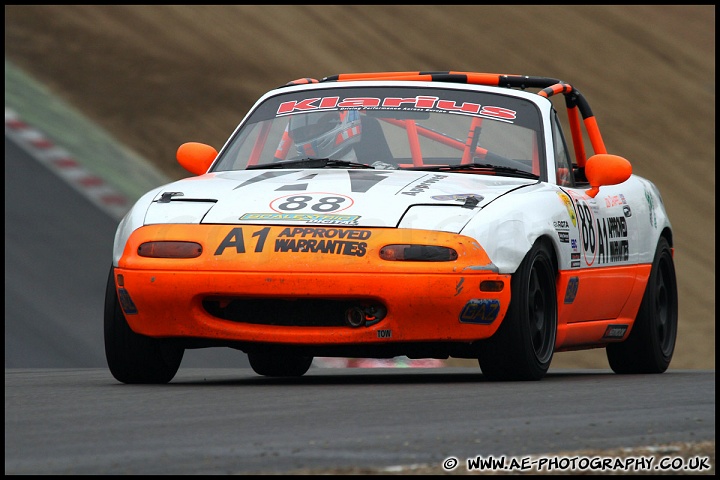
[{"x": 326, "y": 134}]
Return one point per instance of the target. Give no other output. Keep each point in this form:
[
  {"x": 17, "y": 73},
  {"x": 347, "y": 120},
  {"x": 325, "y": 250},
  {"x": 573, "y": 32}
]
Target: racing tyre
[
  {"x": 523, "y": 346},
  {"x": 278, "y": 364},
  {"x": 135, "y": 358},
  {"x": 651, "y": 343}
]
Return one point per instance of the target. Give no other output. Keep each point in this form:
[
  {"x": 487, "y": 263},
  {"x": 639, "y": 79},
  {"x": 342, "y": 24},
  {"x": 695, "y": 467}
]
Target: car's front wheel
[
  {"x": 650, "y": 345},
  {"x": 523, "y": 346},
  {"x": 134, "y": 358},
  {"x": 275, "y": 363}
]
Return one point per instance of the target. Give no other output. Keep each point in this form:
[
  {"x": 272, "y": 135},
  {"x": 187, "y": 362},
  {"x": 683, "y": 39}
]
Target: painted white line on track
[{"x": 61, "y": 162}]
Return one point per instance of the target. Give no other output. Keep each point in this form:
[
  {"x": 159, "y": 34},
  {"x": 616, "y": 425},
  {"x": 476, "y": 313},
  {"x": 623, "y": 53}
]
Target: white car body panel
[{"x": 509, "y": 216}]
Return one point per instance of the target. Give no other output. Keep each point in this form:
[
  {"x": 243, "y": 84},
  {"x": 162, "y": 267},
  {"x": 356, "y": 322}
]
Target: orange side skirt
[{"x": 595, "y": 304}]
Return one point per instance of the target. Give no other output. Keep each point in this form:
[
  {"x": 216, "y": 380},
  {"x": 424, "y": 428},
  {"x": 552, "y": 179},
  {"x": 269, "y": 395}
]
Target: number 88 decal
[
  {"x": 586, "y": 224},
  {"x": 316, "y": 202}
]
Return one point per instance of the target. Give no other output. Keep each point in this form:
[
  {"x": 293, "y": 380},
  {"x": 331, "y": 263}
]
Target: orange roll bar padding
[
  {"x": 284, "y": 145},
  {"x": 490, "y": 79},
  {"x": 591, "y": 126},
  {"x": 412, "y": 133},
  {"x": 574, "y": 120},
  {"x": 594, "y": 133},
  {"x": 563, "y": 88},
  {"x": 467, "y": 154},
  {"x": 438, "y": 137},
  {"x": 450, "y": 76},
  {"x": 303, "y": 81}
]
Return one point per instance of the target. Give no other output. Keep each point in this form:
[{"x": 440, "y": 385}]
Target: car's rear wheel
[
  {"x": 651, "y": 343},
  {"x": 275, "y": 363},
  {"x": 523, "y": 346},
  {"x": 134, "y": 358}
]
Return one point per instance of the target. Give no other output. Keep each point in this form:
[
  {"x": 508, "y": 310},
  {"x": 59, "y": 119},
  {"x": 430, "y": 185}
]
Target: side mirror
[
  {"x": 605, "y": 169},
  {"x": 196, "y": 157}
]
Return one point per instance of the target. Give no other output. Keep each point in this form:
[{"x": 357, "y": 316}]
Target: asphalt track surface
[
  {"x": 65, "y": 413},
  {"x": 231, "y": 421}
]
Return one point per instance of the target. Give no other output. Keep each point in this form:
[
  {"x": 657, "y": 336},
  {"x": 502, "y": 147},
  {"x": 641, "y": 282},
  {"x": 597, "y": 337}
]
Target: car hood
[{"x": 367, "y": 198}]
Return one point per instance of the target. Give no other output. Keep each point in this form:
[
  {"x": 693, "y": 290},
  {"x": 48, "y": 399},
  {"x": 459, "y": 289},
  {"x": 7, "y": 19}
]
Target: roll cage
[
  {"x": 576, "y": 104},
  {"x": 597, "y": 170}
]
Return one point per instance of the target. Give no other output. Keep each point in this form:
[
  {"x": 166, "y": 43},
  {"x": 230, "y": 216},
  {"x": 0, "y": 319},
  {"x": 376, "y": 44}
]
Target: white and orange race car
[{"x": 417, "y": 214}]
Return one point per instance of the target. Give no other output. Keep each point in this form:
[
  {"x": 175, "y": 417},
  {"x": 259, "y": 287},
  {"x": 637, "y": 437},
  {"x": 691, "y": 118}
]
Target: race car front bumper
[{"x": 309, "y": 285}]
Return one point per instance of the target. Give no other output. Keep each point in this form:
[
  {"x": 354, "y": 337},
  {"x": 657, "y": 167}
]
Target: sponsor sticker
[
  {"x": 326, "y": 219},
  {"x": 480, "y": 311},
  {"x": 615, "y": 331},
  {"x": 335, "y": 241},
  {"x": 571, "y": 290},
  {"x": 126, "y": 302},
  {"x": 569, "y": 206},
  {"x": 417, "y": 103}
]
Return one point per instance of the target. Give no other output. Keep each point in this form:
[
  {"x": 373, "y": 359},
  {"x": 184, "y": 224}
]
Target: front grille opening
[{"x": 301, "y": 312}]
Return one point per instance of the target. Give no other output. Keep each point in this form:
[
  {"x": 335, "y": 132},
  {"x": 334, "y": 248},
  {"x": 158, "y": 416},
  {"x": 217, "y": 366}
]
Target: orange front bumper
[{"x": 424, "y": 301}]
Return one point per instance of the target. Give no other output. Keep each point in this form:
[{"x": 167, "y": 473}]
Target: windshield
[{"x": 390, "y": 128}]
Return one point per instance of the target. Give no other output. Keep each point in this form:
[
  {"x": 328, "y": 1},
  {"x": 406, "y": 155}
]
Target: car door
[{"x": 603, "y": 239}]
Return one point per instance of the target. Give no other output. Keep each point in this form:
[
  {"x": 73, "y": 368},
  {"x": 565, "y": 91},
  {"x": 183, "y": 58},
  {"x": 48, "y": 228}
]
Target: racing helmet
[{"x": 325, "y": 134}]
